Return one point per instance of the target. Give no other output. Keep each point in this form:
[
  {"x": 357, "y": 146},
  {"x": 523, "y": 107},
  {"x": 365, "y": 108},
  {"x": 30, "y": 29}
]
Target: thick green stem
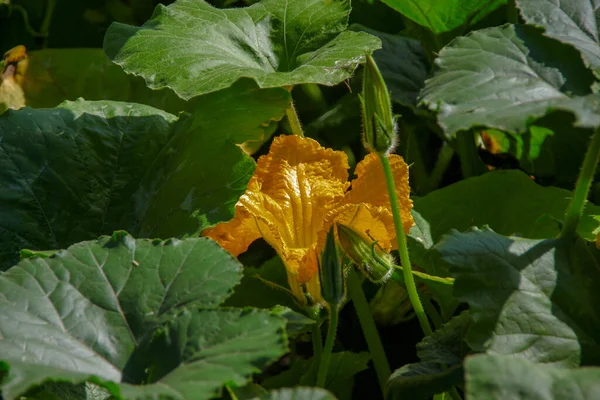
[
  {"x": 317, "y": 341},
  {"x": 382, "y": 368},
  {"x": 294, "y": 121},
  {"x": 326, "y": 356},
  {"x": 409, "y": 280},
  {"x": 586, "y": 176}
]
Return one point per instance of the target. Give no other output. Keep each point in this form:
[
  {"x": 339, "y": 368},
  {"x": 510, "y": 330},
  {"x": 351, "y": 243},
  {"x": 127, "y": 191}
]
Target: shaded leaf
[
  {"x": 68, "y": 173},
  {"x": 531, "y": 298},
  {"x": 444, "y": 16},
  {"x": 421, "y": 381},
  {"x": 197, "y": 48},
  {"x": 402, "y": 63},
  {"x": 199, "y": 175},
  {"x": 508, "y": 201},
  {"x": 56, "y": 75},
  {"x": 501, "y": 377},
  {"x": 505, "y": 77},
  {"x": 571, "y": 21},
  {"x": 446, "y": 345},
  {"x": 342, "y": 368},
  {"x": 89, "y": 168},
  {"x": 440, "y": 368}
]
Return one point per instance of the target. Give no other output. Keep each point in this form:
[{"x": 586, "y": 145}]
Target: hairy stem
[
  {"x": 294, "y": 121},
  {"x": 409, "y": 280}
]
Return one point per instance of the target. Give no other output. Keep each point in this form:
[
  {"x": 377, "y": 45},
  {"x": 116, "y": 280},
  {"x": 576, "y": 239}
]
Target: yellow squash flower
[{"x": 296, "y": 194}]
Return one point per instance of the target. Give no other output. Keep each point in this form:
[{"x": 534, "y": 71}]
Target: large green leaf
[
  {"x": 532, "y": 298},
  {"x": 67, "y": 174},
  {"x": 299, "y": 393},
  {"x": 200, "y": 174},
  {"x": 89, "y": 168},
  {"x": 402, "y": 63},
  {"x": 120, "y": 311},
  {"x": 194, "y": 48},
  {"x": 441, "y": 356},
  {"x": 340, "y": 375},
  {"x": 570, "y": 21},
  {"x": 505, "y": 77},
  {"x": 444, "y": 16},
  {"x": 501, "y": 377},
  {"x": 508, "y": 201},
  {"x": 56, "y": 75}
]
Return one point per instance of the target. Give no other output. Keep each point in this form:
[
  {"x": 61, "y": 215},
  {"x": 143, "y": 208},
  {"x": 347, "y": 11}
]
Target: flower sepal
[{"x": 371, "y": 260}]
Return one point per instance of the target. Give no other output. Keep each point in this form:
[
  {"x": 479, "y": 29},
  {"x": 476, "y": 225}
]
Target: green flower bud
[
  {"x": 333, "y": 281},
  {"x": 379, "y": 122},
  {"x": 375, "y": 264}
]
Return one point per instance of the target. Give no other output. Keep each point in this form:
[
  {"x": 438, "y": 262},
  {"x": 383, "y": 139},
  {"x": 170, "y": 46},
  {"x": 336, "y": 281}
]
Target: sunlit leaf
[
  {"x": 505, "y": 78},
  {"x": 194, "y": 48}
]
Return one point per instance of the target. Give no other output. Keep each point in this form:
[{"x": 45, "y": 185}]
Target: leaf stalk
[{"x": 582, "y": 188}]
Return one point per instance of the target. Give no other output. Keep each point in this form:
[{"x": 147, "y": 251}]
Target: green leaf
[
  {"x": 342, "y": 368},
  {"x": 552, "y": 150},
  {"x": 532, "y": 298},
  {"x": 120, "y": 311},
  {"x": 200, "y": 174},
  {"x": 508, "y": 201},
  {"x": 197, "y": 49},
  {"x": 506, "y": 77},
  {"x": 490, "y": 377},
  {"x": 403, "y": 64},
  {"x": 56, "y": 75},
  {"x": 264, "y": 287},
  {"x": 198, "y": 351},
  {"x": 440, "y": 368},
  {"x": 421, "y": 381},
  {"x": 89, "y": 168},
  {"x": 446, "y": 345},
  {"x": 446, "y": 15},
  {"x": 299, "y": 393},
  {"x": 68, "y": 173},
  {"x": 572, "y": 22}
]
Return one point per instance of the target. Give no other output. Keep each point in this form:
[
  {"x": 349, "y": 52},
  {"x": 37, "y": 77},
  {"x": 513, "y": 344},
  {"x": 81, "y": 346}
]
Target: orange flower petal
[
  {"x": 370, "y": 188},
  {"x": 291, "y": 192},
  {"x": 236, "y": 235}
]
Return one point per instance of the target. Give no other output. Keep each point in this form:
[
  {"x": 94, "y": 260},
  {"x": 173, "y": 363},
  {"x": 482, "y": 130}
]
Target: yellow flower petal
[
  {"x": 236, "y": 235},
  {"x": 373, "y": 222},
  {"x": 293, "y": 189},
  {"x": 370, "y": 188}
]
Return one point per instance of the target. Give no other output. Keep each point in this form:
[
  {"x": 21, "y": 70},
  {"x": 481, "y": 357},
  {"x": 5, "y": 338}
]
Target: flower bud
[
  {"x": 375, "y": 264},
  {"x": 333, "y": 281},
  {"x": 379, "y": 122}
]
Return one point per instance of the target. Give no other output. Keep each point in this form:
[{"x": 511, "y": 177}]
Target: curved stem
[
  {"x": 409, "y": 280},
  {"x": 586, "y": 176},
  {"x": 294, "y": 121},
  {"x": 382, "y": 368},
  {"x": 326, "y": 356}
]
